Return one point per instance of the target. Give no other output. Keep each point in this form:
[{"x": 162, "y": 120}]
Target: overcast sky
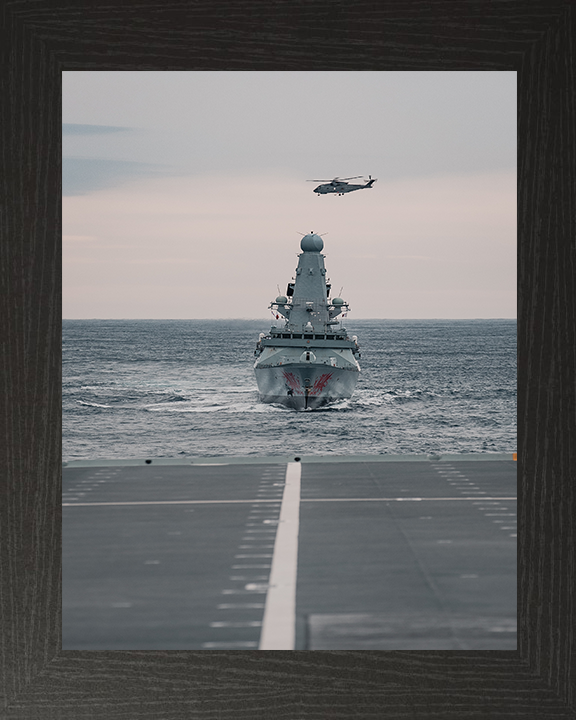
[{"x": 185, "y": 192}]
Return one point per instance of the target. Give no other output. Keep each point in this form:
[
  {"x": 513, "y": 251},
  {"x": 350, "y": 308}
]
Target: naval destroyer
[{"x": 309, "y": 361}]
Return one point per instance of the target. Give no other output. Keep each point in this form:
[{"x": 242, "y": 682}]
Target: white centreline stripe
[{"x": 279, "y": 622}]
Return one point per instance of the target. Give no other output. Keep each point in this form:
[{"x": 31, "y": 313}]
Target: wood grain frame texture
[{"x": 40, "y": 39}]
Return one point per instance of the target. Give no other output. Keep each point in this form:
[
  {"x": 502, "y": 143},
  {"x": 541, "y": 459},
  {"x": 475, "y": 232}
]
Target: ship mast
[{"x": 308, "y": 308}]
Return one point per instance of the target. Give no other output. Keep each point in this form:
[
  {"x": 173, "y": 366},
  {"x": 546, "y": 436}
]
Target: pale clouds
[
  {"x": 185, "y": 192},
  {"x": 191, "y": 248},
  {"x": 305, "y": 124}
]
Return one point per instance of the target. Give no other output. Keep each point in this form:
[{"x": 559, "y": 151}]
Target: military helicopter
[{"x": 339, "y": 186}]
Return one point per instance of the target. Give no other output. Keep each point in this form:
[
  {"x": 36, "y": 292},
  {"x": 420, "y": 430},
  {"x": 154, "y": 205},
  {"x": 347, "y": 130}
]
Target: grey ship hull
[
  {"x": 303, "y": 386},
  {"x": 308, "y": 362}
]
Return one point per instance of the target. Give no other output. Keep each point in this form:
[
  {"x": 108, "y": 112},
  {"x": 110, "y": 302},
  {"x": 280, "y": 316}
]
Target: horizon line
[{"x": 267, "y": 319}]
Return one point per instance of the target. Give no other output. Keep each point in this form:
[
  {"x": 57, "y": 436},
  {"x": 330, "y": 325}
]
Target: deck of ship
[{"x": 320, "y": 553}]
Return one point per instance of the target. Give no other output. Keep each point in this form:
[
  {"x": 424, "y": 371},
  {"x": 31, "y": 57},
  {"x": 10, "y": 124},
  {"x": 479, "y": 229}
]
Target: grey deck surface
[{"x": 401, "y": 554}]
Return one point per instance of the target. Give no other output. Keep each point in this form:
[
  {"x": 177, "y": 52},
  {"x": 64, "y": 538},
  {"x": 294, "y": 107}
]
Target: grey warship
[{"x": 309, "y": 362}]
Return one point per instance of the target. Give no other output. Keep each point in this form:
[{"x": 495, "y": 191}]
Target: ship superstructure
[{"x": 308, "y": 360}]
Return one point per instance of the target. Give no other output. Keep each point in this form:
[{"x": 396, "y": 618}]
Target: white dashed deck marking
[{"x": 232, "y": 502}]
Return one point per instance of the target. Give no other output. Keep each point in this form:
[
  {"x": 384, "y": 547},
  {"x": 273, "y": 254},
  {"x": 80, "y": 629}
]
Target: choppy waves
[
  {"x": 173, "y": 388},
  {"x": 91, "y": 404}
]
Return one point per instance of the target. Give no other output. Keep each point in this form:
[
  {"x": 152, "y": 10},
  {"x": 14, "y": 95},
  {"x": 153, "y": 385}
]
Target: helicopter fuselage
[{"x": 339, "y": 188}]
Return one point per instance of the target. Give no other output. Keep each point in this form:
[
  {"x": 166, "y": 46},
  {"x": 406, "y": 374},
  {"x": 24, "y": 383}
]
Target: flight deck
[{"x": 387, "y": 552}]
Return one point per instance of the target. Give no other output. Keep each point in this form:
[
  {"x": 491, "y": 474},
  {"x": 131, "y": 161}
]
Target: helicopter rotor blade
[{"x": 339, "y": 179}]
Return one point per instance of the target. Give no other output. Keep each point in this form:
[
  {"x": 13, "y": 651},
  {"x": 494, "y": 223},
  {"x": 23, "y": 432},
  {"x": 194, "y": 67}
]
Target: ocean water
[{"x": 178, "y": 388}]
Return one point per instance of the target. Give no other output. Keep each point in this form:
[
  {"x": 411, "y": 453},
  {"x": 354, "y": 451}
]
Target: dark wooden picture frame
[{"x": 39, "y": 40}]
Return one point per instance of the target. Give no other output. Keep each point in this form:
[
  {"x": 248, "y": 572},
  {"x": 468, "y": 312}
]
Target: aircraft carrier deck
[{"x": 387, "y": 552}]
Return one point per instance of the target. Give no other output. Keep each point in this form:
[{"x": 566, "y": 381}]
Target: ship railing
[{"x": 306, "y": 336}]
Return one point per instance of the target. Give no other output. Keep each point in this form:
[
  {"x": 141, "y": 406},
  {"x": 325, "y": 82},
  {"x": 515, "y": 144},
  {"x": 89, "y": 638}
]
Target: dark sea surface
[{"x": 178, "y": 388}]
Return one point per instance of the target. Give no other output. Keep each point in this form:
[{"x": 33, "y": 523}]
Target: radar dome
[
  {"x": 312, "y": 243},
  {"x": 281, "y": 300},
  {"x": 337, "y": 301}
]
